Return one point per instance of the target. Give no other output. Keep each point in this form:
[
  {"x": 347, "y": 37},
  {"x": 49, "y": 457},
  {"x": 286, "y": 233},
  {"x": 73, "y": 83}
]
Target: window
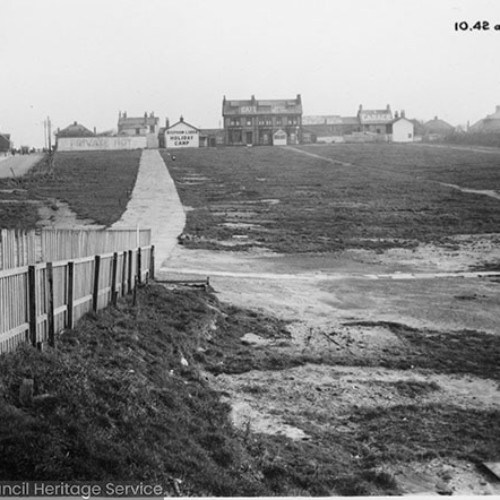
[
  {"x": 235, "y": 122},
  {"x": 279, "y": 121},
  {"x": 137, "y": 131},
  {"x": 249, "y": 122},
  {"x": 152, "y": 129}
]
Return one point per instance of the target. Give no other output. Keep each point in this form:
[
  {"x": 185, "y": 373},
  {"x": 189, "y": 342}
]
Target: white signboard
[
  {"x": 98, "y": 143},
  {"x": 182, "y": 136}
]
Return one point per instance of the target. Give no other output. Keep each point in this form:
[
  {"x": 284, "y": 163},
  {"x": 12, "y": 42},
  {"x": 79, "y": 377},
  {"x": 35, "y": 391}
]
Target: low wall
[{"x": 98, "y": 143}]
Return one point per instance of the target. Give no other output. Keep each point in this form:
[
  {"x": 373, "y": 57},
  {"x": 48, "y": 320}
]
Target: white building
[
  {"x": 182, "y": 135},
  {"x": 402, "y": 130}
]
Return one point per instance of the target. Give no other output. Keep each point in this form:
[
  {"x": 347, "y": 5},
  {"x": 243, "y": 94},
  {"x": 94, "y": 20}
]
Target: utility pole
[
  {"x": 49, "y": 132},
  {"x": 48, "y": 141}
]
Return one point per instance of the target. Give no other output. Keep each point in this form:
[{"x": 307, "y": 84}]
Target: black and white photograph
[{"x": 249, "y": 248}]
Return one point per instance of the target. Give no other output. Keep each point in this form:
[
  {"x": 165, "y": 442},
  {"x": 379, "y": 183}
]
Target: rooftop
[{"x": 261, "y": 106}]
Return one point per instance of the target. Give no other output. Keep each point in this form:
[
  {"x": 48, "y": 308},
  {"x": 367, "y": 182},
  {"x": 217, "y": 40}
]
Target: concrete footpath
[{"x": 155, "y": 204}]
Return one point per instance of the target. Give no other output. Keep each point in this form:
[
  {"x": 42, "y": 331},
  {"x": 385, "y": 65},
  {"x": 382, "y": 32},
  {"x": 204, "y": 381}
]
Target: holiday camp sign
[{"x": 182, "y": 135}]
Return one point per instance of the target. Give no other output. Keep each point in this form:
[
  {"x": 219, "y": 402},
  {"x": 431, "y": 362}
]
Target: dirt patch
[
  {"x": 57, "y": 214},
  {"x": 365, "y": 354}
]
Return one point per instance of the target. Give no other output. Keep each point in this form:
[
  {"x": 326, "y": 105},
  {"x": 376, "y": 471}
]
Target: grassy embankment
[
  {"x": 96, "y": 185},
  {"x": 124, "y": 397},
  {"x": 280, "y": 199}
]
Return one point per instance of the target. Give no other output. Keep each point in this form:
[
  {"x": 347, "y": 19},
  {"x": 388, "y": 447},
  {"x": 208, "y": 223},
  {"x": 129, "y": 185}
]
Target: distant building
[
  {"x": 377, "y": 121},
  {"x": 74, "y": 130},
  {"x": 76, "y": 137},
  {"x": 147, "y": 126},
  {"x": 211, "y": 137},
  {"x": 322, "y": 129},
  {"x": 182, "y": 135},
  {"x": 350, "y": 125},
  {"x": 489, "y": 124},
  {"x": 402, "y": 129},
  {"x": 437, "y": 129},
  {"x": 255, "y": 121},
  {"x": 5, "y": 144}
]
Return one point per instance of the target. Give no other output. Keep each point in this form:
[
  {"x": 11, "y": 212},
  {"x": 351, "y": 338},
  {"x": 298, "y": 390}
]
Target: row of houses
[
  {"x": 261, "y": 122},
  {"x": 134, "y": 132}
]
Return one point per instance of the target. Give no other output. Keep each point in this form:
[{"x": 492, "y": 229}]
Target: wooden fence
[
  {"x": 17, "y": 248},
  {"x": 40, "y": 300},
  {"x": 23, "y": 248}
]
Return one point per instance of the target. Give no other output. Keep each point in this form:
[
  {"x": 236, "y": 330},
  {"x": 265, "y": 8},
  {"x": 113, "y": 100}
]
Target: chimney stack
[{"x": 498, "y": 109}]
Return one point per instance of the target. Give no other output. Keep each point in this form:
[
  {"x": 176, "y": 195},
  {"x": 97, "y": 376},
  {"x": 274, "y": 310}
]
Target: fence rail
[
  {"x": 22, "y": 248},
  {"x": 37, "y": 301}
]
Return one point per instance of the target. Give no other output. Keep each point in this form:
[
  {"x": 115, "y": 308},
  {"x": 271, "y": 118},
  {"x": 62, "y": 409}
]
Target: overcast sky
[{"x": 87, "y": 60}]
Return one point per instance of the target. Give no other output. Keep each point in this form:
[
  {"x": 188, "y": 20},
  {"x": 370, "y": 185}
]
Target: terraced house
[{"x": 259, "y": 122}]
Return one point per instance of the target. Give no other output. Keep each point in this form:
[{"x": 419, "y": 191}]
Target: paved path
[
  {"x": 20, "y": 164},
  {"x": 155, "y": 204}
]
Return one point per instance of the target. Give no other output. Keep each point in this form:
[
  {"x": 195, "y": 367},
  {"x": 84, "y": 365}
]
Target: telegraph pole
[
  {"x": 49, "y": 138},
  {"x": 48, "y": 133}
]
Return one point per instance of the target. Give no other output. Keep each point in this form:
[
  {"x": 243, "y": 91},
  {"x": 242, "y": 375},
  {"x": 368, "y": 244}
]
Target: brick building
[
  {"x": 255, "y": 121},
  {"x": 377, "y": 121}
]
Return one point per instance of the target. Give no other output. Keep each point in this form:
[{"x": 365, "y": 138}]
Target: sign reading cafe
[{"x": 182, "y": 135}]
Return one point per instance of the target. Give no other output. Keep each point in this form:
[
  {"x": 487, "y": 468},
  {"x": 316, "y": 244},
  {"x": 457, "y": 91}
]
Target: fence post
[
  {"x": 130, "y": 283},
  {"x": 49, "y": 297},
  {"x": 124, "y": 274},
  {"x": 71, "y": 294},
  {"x": 139, "y": 266},
  {"x": 32, "y": 303},
  {"x": 152, "y": 263},
  {"x": 114, "y": 271},
  {"x": 3, "y": 240},
  {"x": 95, "y": 296}
]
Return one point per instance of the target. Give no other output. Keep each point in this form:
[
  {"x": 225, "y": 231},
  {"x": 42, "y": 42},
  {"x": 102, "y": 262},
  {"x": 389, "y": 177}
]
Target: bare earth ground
[
  {"x": 343, "y": 302},
  {"x": 331, "y": 293}
]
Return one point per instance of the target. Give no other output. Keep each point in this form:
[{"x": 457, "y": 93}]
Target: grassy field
[
  {"x": 289, "y": 202},
  {"x": 96, "y": 185}
]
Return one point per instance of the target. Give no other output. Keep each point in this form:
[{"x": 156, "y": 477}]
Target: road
[{"x": 19, "y": 164}]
